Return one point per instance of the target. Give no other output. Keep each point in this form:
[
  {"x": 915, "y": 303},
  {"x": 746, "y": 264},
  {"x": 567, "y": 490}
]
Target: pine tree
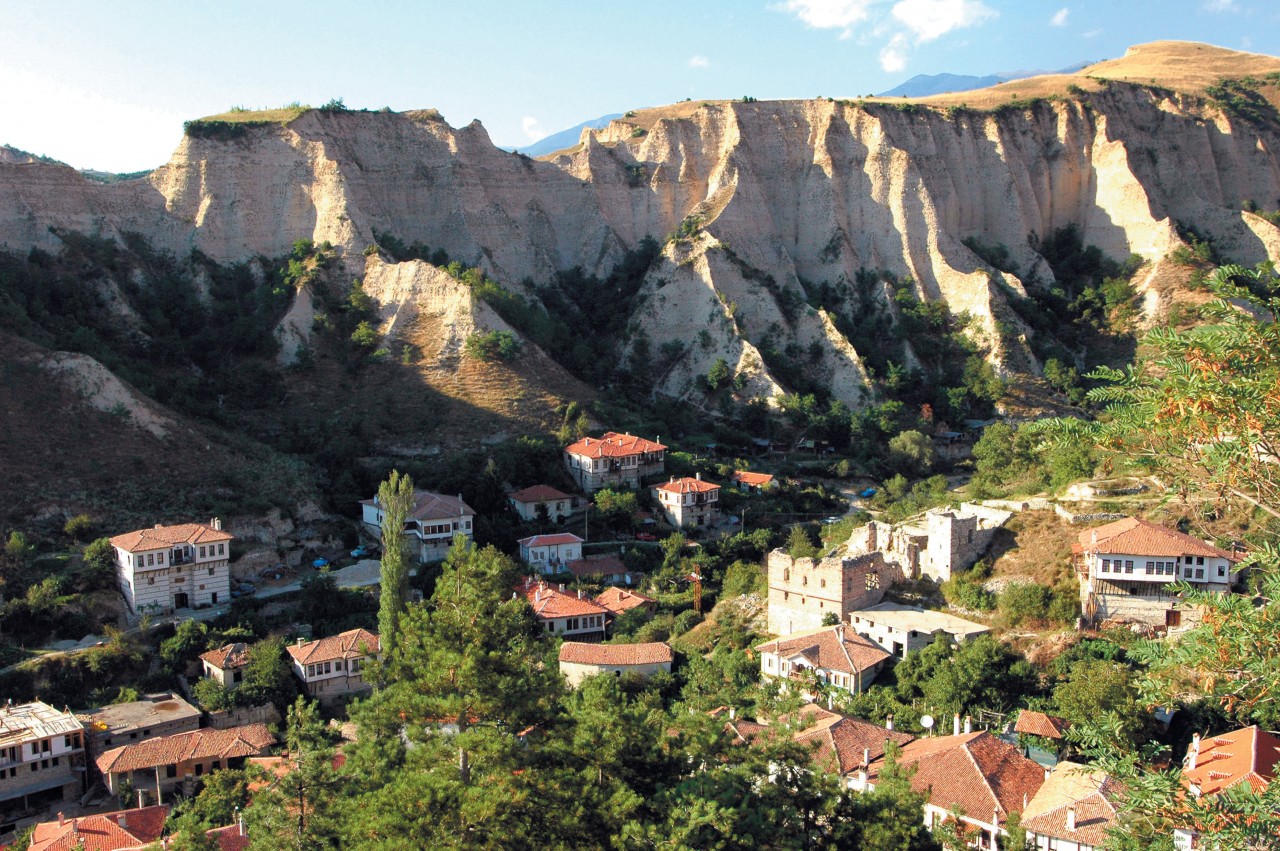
[{"x": 395, "y": 499}]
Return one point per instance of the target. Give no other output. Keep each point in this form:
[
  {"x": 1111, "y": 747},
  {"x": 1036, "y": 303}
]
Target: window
[
  {"x": 159, "y": 558},
  {"x": 217, "y": 763},
  {"x": 786, "y": 596},
  {"x": 804, "y": 581},
  {"x": 311, "y": 670},
  {"x": 1151, "y": 566},
  {"x": 199, "y": 768},
  {"x": 222, "y": 549},
  {"x": 822, "y": 583},
  {"x": 1199, "y": 573},
  {"x": 202, "y": 552},
  {"x": 786, "y": 575},
  {"x": 337, "y": 666},
  {"x": 328, "y": 668},
  {"x": 44, "y": 746},
  {"x": 211, "y": 571},
  {"x": 151, "y": 580},
  {"x": 1106, "y": 565},
  {"x": 171, "y": 771},
  {"x": 151, "y": 559},
  {"x": 1199, "y": 559},
  {"x": 66, "y": 742},
  {"x": 1128, "y": 566},
  {"x": 55, "y": 762},
  {"x": 1222, "y": 571}
]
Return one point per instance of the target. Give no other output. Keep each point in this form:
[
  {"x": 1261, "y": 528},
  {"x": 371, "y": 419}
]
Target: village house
[
  {"x": 161, "y": 714},
  {"x": 579, "y": 660},
  {"x": 934, "y": 545},
  {"x": 975, "y": 774},
  {"x": 174, "y": 567},
  {"x": 902, "y": 630},
  {"x": 619, "y": 601},
  {"x": 604, "y": 567},
  {"x": 568, "y": 615},
  {"x": 433, "y": 522},
  {"x": 837, "y": 655},
  {"x": 124, "y": 830},
  {"x": 158, "y": 766},
  {"x": 333, "y": 668},
  {"x": 689, "y": 503},
  {"x": 1214, "y": 764},
  {"x": 749, "y": 482},
  {"x": 226, "y": 664},
  {"x": 551, "y": 553},
  {"x": 803, "y": 591},
  {"x": 1126, "y": 569},
  {"x": 613, "y": 461},
  {"x": 42, "y": 758},
  {"x": 1040, "y": 725},
  {"x": 541, "y": 502},
  {"x": 1072, "y": 811}
]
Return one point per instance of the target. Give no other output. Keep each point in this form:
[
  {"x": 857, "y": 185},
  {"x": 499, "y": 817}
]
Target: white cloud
[
  {"x": 1221, "y": 6},
  {"x": 893, "y": 56},
  {"x": 931, "y": 19},
  {"x": 531, "y": 128},
  {"x": 1059, "y": 18},
  {"x": 699, "y": 62},
  {"x": 1094, "y": 33},
  {"x": 829, "y": 14}
]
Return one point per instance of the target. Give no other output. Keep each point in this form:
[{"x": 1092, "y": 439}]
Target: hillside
[{"x": 865, "y": 252}]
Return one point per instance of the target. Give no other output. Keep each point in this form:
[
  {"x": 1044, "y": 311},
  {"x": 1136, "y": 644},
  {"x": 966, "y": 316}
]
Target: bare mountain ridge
[{"x": 772, "y": 197}]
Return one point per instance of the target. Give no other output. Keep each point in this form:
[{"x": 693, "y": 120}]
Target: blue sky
[{"x": 108, "y": 85}]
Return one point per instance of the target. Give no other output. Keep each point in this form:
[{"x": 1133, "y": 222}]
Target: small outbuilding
[{"x": 579, "y": 660}]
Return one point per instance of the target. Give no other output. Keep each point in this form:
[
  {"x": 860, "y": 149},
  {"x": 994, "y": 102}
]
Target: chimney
[
  {"x": 158, "y": 526},
  {"x": 698, "y": 476},
  {"x": 1071, "y": 818},
  {"x": 831, "y": 701},
  {"x": 216, "y": 524},
  {"x": 62, "y": 818},
  {"x": 240, "y": 820},
  {"x": 579, "y": 593},
  {"x": 1193, "y": 752},
  {"x": 866, "y": 756},
  {"x": 562, "y": 586},
  {"x": 299, "y": 641},
  {"x": 955, "y": 725},
  {"x": 995, "y": 817},
  {"x": 461, "y": 513},
  {"x": 888, "y": 722},
  {"x": 968, "y": 725},
  {"x": 124, "y": 814},
  {"x": 733, "y": 713}
]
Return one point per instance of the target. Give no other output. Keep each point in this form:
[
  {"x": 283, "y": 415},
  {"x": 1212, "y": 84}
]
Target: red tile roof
[
  {"x": 688, "y": 485},
  {"x": 619, "y": 600},
  {"x": 229, "y": 838},
  {"x": 755, "y": 480},
  {"x": 1039, "y": 724},
  {"x": 580, "y": 653},
  {"x": 432, "y": 506},
  {"x": 557, "y": 539},
  {"x": 228, "y": 656},
  {"x": 598, "y": 565},
  {"x": 974, "y": 772},
  {"x": 841, "y": 744},
  {"x": 613, "y": 445},
  {"x": 1249, "y": 755},
  {"x": 549, "y": 603},
  {"x": 1132, "y": 536},
  {"x": 103, "y": 832},
  {"x": 1071, "y": 786},
  {"x": 249, "y": 740},
  {"x": 163, "y": 537},
  {"x": 352, "y": 644},
  {"x": 836, "y": 648},
  {"x": 539, "y": 493}
]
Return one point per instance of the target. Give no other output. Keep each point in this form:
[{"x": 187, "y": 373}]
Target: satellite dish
[{"x": 926, "y": 721}]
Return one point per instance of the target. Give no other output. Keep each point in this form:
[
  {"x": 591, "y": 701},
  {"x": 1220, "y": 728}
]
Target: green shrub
[
  {"x": 492, "y": 345},
  {"x": 1022, "y": 602},
  {"x": 964, "y": 592},
  {"x": 743, "y": 577}
]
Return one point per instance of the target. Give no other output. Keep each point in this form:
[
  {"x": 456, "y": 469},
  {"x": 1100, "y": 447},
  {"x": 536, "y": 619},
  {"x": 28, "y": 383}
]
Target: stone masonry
[
  {"x": 803, "y": 590},
  {"x": 935, "y": 545}
]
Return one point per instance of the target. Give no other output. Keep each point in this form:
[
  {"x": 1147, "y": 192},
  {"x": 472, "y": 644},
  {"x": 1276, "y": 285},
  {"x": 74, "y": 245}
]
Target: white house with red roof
[
  {"x": 332, "y": 668},
  {"x": 174, "y": 567},
  {"x": 529, "y": 500},
  {"x": 168, "y": 761},
  {"x": 1214, "y": 764},
  {"x": 433, "y": 522},
  {"x": 688, "y": 503},
  {"x": 123, "y": 830},
  {"x": 574, "y": 616},
  {"x": 579, "y": 660},
  {"x": 837, "y": 655},
  {"x": 226, "y": 664},
  {"x": 551, "y": 553},
  {"x": 1072, "y": 811},
  {"x": 613, "y": 460},
  {"x": 1126, "y": 569}
]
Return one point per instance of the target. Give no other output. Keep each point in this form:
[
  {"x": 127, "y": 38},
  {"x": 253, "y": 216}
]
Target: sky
[{"x": 108, "y": 85}]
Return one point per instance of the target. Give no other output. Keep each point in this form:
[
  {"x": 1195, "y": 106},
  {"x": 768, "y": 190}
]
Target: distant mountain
[
  {"x": 923, "y": 85},
  {"x": 565, "y": 138},
  {"x": 10, "y": 154}
]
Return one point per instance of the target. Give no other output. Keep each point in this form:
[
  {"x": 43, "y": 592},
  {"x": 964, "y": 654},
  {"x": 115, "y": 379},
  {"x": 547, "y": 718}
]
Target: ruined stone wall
[{"x": 802, "y": 591}]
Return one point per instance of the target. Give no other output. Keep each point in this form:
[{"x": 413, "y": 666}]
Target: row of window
[
  {"x": 319, "y": 669},
  {"x": 177, "y": 577},
  {"x": 1158, "y": 568},
  {"x": 153, "y": 559},
  {"x": 570, "y": 624}
]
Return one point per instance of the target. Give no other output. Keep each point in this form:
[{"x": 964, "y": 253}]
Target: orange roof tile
[
  {"x": 103, "y": 832},
  {"x": 836, "y": 648},
  {"x": 1038, "y": 724},
  {"x": 755, "y": 480},
  {"x": 228, "y": 656},
  {"x": 581, "y": 653},
  {"x": 163, "y": 537},
  {"x": 549, "y": 603},
  {"x": 619, "y": 600},
  {"x": 688, "y": 485},
  {"x": 432, "y": 506},
  {"x": 539, "y": 493},
  {"x": 598, "y": 565},
  {"x": 249, "y": 740},
  {"x": 613, "y": 445},
  {"x": 556, "y": 540},
  {"x": 1132, "y": 536},
  {"x": 974, "y": 772},
  {"x": 229, "y": 838},
  {"x": 351, "y": 644},
  {"x": 1249, "y": 755},
  {"x": 841, "y": 744},
  {"x": 1071, "y": 786}
]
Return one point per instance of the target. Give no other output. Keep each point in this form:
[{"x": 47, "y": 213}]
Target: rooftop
[
  {"x": 352, "y": 644},
  {"x": 163, "y": 537},
  {"x": 1071, "y": 786},
  {"x": 755, "y": 480},
  {"x": 107, "y": 832},
  {"x": 688, "y": 485},
  {"x": 605, "y": 564},
  {"x": 549, "y": 603},
  {"x": 1249, "y": 755},
  {"x": 1132, "y": 536},
  {"x": 558, "y": 539},
  {"x": 232, "y": 742},
  {"x": 36, "y": 720},
  {"x": 843, "y": 744},
  {"x": 228, "y": 656},
  {"x": 160, "y": 708},
  {"x": 580, "y": 653},
  {"x": 898, "y": 616},
  {"x": 432, "y": 506},
  {"x": 1034, "y": 723},
  {"x": 613, "y": 445},
  {"x": 539, "y": 493},
  {"x": 619, "y": 600},
  {"x": 834, "y": 648}
]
